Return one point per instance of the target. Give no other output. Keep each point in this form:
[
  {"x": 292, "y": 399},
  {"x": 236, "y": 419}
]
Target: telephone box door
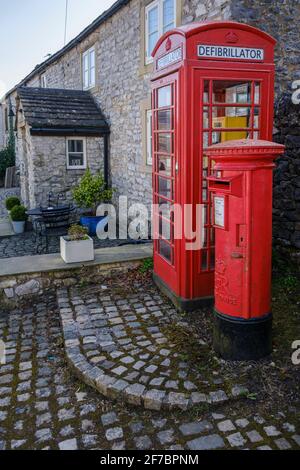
[
  {"x": 233, "y": 107},
  {"x": 164, "y": 145}
]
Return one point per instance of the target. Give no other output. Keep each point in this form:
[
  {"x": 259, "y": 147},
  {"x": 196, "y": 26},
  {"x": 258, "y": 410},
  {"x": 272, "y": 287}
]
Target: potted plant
[
  {"x": 11, "y": 202},
  {"x": 77, "y": 246},
  {"x": 18, "y": 218},
  {"x": 90, "y": 192}
]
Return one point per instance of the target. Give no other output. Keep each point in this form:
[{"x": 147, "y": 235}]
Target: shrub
[
  {"x": 18, "y": 214},
  {"x": 91, "y": 191},
  {"x": 7, "y": 155},
  {"x": 77, "y": 232},
  {"x": 11, "y": 202}
]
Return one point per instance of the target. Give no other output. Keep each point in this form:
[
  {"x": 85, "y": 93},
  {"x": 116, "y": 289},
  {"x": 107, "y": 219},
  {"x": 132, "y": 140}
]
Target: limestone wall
[{"x": 43, "y": 166}]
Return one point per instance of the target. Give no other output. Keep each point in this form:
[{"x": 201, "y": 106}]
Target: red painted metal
[
  {"x": 243, "y": 244},
  {"x": 200, "y": 90}
]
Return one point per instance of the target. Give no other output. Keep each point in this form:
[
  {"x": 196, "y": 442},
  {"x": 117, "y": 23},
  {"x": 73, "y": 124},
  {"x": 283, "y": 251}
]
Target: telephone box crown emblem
[
  {"x": 231, "y": 37},
  {"x": 168, "y": 44}
]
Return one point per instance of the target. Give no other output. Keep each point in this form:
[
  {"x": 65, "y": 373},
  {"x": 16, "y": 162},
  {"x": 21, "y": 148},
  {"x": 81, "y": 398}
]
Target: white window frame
[
  {"x": 149, "y": 138},
  {"x": 91, "y": 77},
  {"x": 156, "y": 4},
  {"x": 43, "y": 81},
  {"x": 76, "y": 167}
]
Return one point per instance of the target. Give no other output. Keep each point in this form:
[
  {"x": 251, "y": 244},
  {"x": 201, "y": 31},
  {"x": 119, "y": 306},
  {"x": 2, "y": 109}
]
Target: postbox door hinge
[{"x": 176, "y": 168}]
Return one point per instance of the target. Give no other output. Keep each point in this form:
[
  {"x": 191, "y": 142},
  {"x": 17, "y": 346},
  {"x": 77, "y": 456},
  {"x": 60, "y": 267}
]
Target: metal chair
[{"x": 52, "y": 222}]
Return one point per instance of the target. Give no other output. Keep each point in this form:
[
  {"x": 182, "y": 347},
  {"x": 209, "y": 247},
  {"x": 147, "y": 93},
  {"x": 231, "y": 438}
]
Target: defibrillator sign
[{"x": 230, "y": 52}]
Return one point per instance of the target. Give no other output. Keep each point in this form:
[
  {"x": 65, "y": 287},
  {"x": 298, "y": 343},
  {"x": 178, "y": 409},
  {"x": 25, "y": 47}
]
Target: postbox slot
[{"x": 220, "y": 185}]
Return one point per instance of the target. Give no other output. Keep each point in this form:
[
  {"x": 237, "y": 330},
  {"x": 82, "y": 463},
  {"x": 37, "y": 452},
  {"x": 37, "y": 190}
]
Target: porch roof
[{"x": 51, "y": 111}]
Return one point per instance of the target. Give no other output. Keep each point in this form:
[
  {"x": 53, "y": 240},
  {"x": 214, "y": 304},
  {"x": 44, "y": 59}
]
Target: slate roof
[{"x": 51, "y": 111}]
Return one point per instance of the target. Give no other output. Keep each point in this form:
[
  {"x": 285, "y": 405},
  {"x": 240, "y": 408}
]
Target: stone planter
[
  {"x": 77, "y": 251},
  {"x": 18, "y": 227}
]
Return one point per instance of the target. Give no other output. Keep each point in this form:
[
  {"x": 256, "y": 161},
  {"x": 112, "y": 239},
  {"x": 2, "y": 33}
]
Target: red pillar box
[{"x": 241, "y": 191}]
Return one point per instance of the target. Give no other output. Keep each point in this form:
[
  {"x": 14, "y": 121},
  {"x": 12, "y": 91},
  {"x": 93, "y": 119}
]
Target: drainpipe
[{"x": 106, "y": 160}]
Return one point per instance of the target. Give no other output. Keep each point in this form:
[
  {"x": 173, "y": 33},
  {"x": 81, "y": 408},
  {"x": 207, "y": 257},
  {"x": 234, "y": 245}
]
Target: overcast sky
[{"x": 31, "y": 29}]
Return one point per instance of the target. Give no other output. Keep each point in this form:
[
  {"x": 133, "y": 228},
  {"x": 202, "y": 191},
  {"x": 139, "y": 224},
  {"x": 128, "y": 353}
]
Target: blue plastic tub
[{"x": 91, "y": 223}]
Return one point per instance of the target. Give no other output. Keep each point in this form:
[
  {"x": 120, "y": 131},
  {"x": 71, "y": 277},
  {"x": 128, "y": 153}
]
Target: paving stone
[
  {"x": 159, "y": 423},
  {"x": 263, "y": 448},
  {"x": 296, "y": 438},
  {"x": 43, "y": 435},
  {"x": 113, "y": 434},
  {"x": 143, "y": 443},
  {"x": 178, "y": 400},
  {"x": 211, "y": 442},
  {"x": 17, "y": 443},
  {"x": 166, "y": 437},
  {"x": 226, "y": 426},
  {"x": 196, "y": 427},
  {"x": 153, "y": 399},
  {"x": 242, "y": 423},
  {"x": 271, "y": 431},
  {"x": 70, "y": 444},
  {"x": 282, "y": 444},
  {"x": 218, "y": 396},
  {"x": 134, "y": 393},
  {"x": 109, "y": 418},
  {"x": 236, "y": 440},
  {"x": 136, "y": 427},
  {"x": 254, "y": 436},
  {"x": 289, "y": 427}
]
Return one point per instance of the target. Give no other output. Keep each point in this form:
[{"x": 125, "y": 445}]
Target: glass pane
[
  {"x": 218, "y": 137},
  {"x": 165, "y": 209},
  {"x": 256, "y": 118},
  {"x": 153, "y": 20},
  {"x": 164, "y": 119},
  {"x": 257, "y": 93},
  {"x": 164, "y": 165},
  {"x": 231, "y": 117},
  {"x": 78, "y": 146},
  {"x": 226, "y": 91},
  {"x": 164, "y": 96},
  {"x": 205, "y": 140},
  {"x": 153, "y": 38},
  {"x": 206, "y": 91},
  {"x": 165, "y": 229},
  {"x": 205, "y": 117},
  {"x": 212, "y": 258},
  {"x": 75, "y": 159},
  {"x": 165, "y": 250},
  {"x": 92, "y": 59},
  {"x": 165, "y": 187},
  {"x": 71, "y": 145},
  {"x": 164, "y": 143},
  {"x": 168, "y": 15},
  {"x": 204, "y": 260}
]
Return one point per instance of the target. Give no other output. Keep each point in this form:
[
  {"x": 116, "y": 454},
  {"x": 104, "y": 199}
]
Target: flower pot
[
  {"x": 76, "y": 251},
  {"x": 92, "y": 222},
  {"x": 18, "y": 227}
]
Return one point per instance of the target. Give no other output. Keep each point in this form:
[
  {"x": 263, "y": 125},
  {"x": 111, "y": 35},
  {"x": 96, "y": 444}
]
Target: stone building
[{"x": 111, "y": 60}]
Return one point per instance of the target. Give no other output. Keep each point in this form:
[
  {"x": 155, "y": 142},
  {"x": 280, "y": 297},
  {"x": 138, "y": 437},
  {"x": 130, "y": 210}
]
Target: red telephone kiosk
[{"x": 212, "y": 82}]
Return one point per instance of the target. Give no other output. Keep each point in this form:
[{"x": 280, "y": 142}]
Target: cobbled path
[{"x": 43, "y": 406}]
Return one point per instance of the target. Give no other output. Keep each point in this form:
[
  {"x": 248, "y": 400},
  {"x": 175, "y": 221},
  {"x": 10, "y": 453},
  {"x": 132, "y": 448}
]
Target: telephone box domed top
[
  {"x": 191, "y": 29},
  {"x": 226, "y": 41}
]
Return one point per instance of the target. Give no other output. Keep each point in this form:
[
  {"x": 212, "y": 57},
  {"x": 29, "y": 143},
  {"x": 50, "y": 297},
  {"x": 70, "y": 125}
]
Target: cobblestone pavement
[
  {"x": 120, "y": 343},
  {"x": 25, "y": 245},
  {"x": 43, "y": 406}
]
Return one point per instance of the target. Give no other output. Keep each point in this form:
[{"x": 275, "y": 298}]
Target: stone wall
[
  {"x": 43, "y": 166},
  {"x": 279, "y": 18},
  {"x": 21, "y": 286},
  {"x": 287, "y": 174},
  {"x": 4, "y": 194}
]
